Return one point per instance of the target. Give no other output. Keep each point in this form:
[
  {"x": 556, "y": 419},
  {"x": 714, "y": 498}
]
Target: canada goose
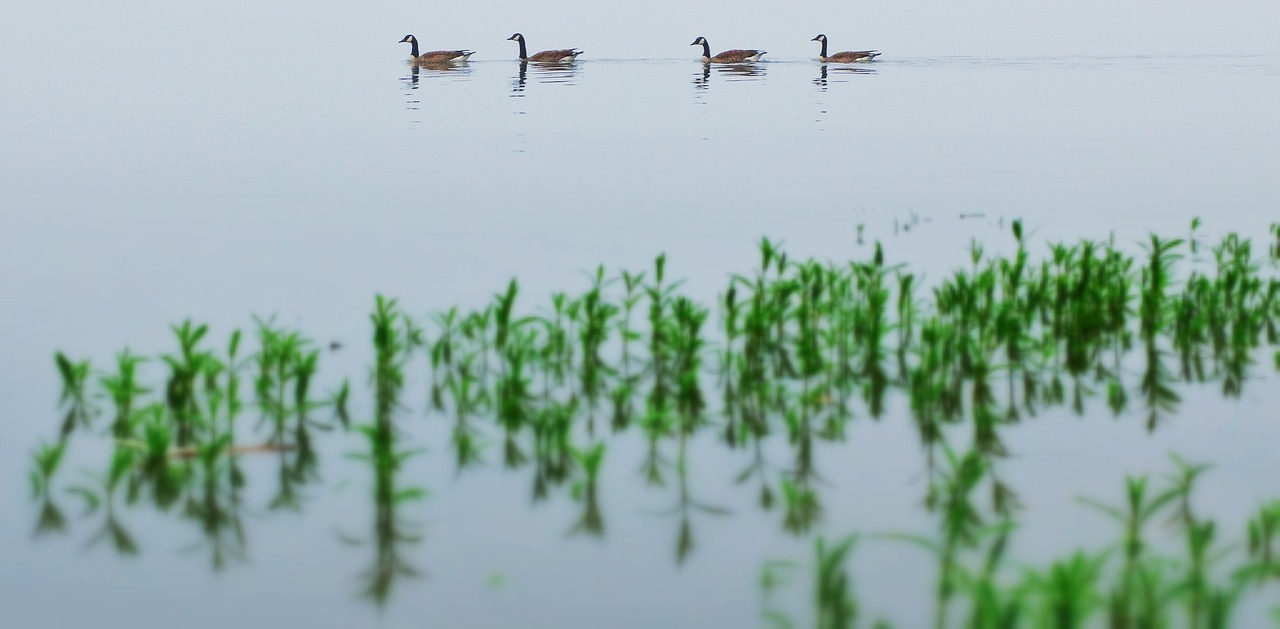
[
  {"x": 434, "y": 57},
  {"x": 568, "y": 54},
  {"x": 848, "y": 56},
  {"x": 728, "y": 56}
]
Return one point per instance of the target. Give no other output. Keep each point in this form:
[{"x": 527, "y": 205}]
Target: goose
[
  {"x": 434, "y": 57},
  {"x": 568, "y": 54},
  {"x": 848, "y": 56},
  {"x": 728, "y": 56}
]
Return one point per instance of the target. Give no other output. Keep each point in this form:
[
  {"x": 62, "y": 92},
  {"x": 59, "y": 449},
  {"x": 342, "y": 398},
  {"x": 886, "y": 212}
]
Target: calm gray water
[{"x": 160, "y": 162}]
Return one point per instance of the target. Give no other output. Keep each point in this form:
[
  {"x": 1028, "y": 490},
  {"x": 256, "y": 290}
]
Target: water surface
[{"x": 221, "y": 162}]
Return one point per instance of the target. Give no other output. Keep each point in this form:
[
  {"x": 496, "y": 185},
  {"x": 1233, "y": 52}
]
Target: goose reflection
[
  {"x": 822, "y": 80},
  {"x": 555, "y": 72},
  {"x": 431, "y": 71},
  {"x": 745, "y": 71},
  {"x": 732, "y": 72},
  {"x": 548, "y": 72},
  {"x": 517, "y": 85},
  {"x": 702, "y": 78},
  {"x": 445, "y": 69},
  {"x": 434, "y": 71}
]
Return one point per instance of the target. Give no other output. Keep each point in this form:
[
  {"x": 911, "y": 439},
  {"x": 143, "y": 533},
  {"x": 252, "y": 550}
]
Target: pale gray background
[{"x": 162, "y": 160}]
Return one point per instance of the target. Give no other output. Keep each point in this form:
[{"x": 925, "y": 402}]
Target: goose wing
[
  {"x": 555, "y": 55},
  {"x": 854, "y": 55},
  {"x": 440, "y": 56},
  {"x": 737, "y": 55}
]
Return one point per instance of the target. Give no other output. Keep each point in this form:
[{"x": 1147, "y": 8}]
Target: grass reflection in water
[{"x": 791, "y": 351}]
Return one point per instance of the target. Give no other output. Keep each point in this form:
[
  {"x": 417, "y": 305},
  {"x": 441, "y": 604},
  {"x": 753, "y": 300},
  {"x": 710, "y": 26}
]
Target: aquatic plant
[
  {"x": 780, "y": 365},
  {"x": 1144, "y": 588},
  {"x": 394, "y": 339},
  {"x": 586, "y": 490},
  {"x": 74, "y": 398},
  {"x": 47, "y": 459},
  {"x": 837, "y": 609},
  {"x": 124, "y": 388}
]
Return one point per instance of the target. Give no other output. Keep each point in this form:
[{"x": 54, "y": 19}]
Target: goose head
[
  {"x": 516, "y": 37},
  {"x": 409, "y": 39},
  {"x": 820, "y": 37},
  {"x": 699, "y": 41}
]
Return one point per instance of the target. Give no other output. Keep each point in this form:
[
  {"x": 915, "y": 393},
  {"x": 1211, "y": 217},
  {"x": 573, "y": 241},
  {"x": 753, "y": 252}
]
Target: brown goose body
[
  {"x": 728, "y": 56},
  {"x": 546, "y": 56},
  {"x": 848, "y": 56},
  {"x": 568, "y": 54},
  {"x": 434, "y": 57}
]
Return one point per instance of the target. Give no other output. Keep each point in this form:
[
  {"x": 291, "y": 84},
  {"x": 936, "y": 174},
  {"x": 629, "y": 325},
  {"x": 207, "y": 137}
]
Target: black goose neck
[
  {"x": 706, "y": 49},
  {"x": 823, "y": 54},
  {"x": 524, "y": 53},
  {"x": 413, "y": 52}
]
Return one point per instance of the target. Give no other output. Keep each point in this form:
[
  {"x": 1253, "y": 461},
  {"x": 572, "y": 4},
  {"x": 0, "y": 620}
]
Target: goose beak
[
  {"x": 694, "y": 44},
  {"x": 406, "y": 38}
]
